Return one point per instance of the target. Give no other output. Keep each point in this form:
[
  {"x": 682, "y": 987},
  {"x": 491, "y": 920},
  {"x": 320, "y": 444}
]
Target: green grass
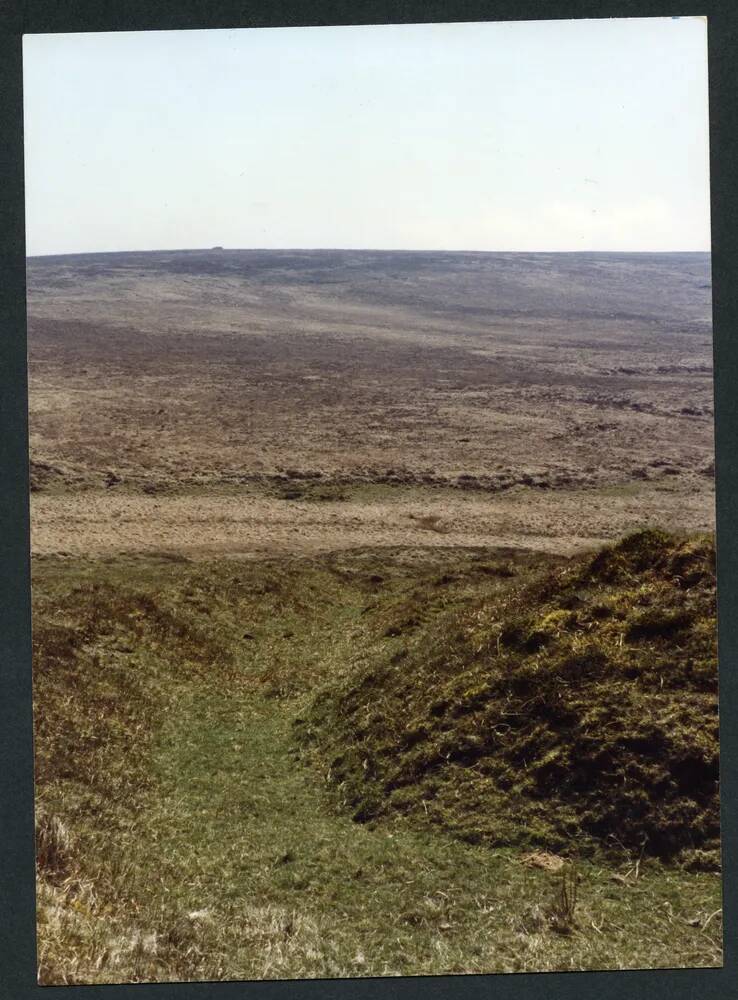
[
  {"x": 192, "y": 838},
  {"x": 577, "y": 711}
]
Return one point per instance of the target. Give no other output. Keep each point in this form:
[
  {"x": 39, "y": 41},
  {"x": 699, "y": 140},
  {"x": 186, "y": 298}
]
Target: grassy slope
[
  {"x": 183, "y": 839},
  {"x": 576, "y": 711}
]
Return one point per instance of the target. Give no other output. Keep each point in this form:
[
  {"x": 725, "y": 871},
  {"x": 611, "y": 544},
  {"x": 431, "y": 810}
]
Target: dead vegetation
[
  {"x": 561, "y": 911},
  {"x": 53, "y": 846}
]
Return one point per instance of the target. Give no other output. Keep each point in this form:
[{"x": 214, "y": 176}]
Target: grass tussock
[
  {"x": 53, "y": 846},
  {"x": 573, "y": 711}
]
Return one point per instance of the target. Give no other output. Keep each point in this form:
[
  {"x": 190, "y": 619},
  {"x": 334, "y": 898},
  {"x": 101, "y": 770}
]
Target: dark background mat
[{"x": 17, "y": 890}]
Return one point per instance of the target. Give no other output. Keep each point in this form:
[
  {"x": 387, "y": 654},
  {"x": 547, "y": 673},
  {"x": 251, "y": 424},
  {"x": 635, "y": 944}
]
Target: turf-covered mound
[{"x": 575, "y": 711}]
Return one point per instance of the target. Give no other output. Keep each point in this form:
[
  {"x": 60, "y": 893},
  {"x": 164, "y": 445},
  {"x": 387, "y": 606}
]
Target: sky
[{"x": 529, "y": 136}]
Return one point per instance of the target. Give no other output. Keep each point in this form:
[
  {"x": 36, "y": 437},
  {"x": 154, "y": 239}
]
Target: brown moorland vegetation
[{"x": 333, "y": 618}]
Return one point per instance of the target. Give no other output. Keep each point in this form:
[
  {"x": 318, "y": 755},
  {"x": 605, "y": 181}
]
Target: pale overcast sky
[{"x": 547, "y": 135}]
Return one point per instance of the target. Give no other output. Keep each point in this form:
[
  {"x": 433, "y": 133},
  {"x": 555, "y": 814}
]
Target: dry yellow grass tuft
[
  {"x": 543, "y": 859},
  {"x": 53, "y": 845}
]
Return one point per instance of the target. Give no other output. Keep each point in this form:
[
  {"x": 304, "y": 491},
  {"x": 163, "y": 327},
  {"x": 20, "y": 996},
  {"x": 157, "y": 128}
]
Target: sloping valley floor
[{"x": 194, "y": 836}]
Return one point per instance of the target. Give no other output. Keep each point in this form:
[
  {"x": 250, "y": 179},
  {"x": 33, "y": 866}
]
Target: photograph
[{"x": 372, "y": 500}]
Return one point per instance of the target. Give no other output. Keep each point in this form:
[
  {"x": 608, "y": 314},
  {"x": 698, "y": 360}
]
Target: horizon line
[{"x": 304, "y": 249}]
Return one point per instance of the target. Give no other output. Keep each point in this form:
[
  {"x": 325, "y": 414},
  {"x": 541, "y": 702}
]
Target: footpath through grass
[{"x": 185, "y": 838}]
